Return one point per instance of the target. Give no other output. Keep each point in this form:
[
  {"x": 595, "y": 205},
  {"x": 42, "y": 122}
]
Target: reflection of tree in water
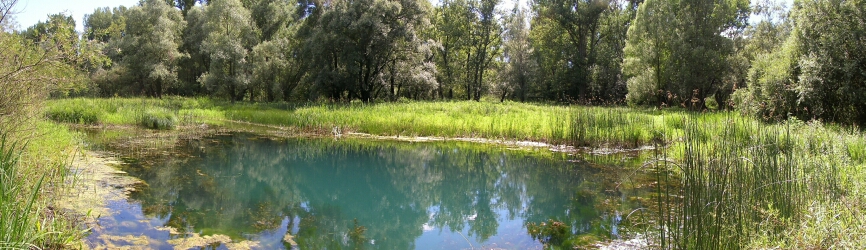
[{"x": 240, "y": 184}]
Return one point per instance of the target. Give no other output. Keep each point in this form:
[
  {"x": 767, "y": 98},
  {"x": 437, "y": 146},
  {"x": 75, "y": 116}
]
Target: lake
[{"x": 323, "y": 193}]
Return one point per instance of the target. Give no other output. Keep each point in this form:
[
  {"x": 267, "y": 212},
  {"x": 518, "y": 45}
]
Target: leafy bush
[{"x": 771, "y": 93}]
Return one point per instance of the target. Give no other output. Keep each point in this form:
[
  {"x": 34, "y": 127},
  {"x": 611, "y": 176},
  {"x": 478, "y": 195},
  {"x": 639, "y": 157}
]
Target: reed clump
[
  {"x": 732, "y": 182},
  {"x": 166, "y": 113},
  {"x": 31, "y": 174},
  {"x": 158, "y": 118}
]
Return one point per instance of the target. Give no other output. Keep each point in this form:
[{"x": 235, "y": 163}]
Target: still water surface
[{"x": 323, "y": 192}]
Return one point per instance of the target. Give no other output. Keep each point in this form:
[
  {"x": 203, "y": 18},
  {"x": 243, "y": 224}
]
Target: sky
[{"x": 32, "y": 11}]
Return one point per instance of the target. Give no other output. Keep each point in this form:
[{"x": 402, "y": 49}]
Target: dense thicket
[
  {"x": 818, "y": 71},
  {"x": 697, "y": 54},
  {"x": 33, "y": 63}
]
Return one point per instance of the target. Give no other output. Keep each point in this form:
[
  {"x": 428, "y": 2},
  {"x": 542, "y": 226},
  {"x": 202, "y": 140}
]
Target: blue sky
[{"x": 32, "y": 11}]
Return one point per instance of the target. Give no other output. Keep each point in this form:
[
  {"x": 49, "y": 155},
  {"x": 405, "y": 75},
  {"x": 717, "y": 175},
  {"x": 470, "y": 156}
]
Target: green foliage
[
  {"x": 81, "y": 114},
  {"x": 831, "y": 67},
  {"x": 358, "y": 48},
  {"x": 25, "y": 222},
  {"x": 555, "y": 234},
  {"x": 150, "y": 46},
  {"x": 29, "y": 71},
  {"x": 772, "y": 92},
  {"x": 230, "y": 37},
  {"x": 451, "y": 29},
  {"x": 166, "y": 113},
  {"x": 737, "y": 183},
  {"x": 550, "y": 233},
  {"x": 813, "y": 74},
  {"x": 711, "y": 103},
  {"x": 156, "y": 118},
  {"x": 15, "y": 203},
  {"x": 676, "y": 52},
  {"x": 521, "y": 69},
  {"x": 105, "y": 24},
  {"x": 198, "y": 62},
  {"x": 576, "y": 23}
]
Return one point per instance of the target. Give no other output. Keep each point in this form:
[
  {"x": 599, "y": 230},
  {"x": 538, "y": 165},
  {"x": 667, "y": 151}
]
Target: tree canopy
[{"x": 664, "y": 53}]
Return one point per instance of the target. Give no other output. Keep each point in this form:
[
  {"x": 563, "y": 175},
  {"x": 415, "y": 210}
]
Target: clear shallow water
[{"x": 404, "y": 195}]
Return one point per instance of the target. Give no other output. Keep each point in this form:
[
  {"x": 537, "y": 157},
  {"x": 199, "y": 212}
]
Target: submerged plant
[
  {"x": 550, "y": 233},
  {"x": 357, "y": 234}
]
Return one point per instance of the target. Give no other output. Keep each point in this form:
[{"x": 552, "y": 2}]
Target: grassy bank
[
  {"x": 582, "y": 126},
  {"x": 725, "y": 180},
  {"x": 33, "y": 172}
]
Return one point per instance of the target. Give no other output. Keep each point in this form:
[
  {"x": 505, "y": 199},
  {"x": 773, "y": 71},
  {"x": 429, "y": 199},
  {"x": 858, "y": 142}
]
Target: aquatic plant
[
  {"x": 550, "y": 233},
  {"x": 737, "y": 180}
]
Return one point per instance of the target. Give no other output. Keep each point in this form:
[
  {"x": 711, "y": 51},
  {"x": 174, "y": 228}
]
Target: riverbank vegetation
[
  {"x": 754, "y": 123},
  {"x": 768, "y": 183}
]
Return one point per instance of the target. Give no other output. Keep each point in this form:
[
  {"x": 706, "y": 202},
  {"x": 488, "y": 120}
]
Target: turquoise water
[{"x": 335, "y": 194}]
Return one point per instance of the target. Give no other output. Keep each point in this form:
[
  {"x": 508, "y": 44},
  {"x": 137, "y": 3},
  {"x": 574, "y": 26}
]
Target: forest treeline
[{"x": 805, "y": 60}]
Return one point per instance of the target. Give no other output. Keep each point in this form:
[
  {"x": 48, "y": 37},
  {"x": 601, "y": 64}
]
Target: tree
[
  {"x": 150, "y": 45},
  {"x": 580, "y": 21},
  {"x": 31, "y": 68},
  {"x": 831, "y": 36},
  {"x": 105, "y": 24},
  {"x": 485, "y": 39},
  {"x": 551, "y": 52},
  {"x": 355, "y": 43},
  {"x": 275, "y": 61},
  {"x": 184, "y": 5},
  {"x": 677, "y": 50},
  {"x": 277, "y": 70},
  {"x": 810, "y": 65},
  {"x": 230, "y": 37},
  {"x": 7, "y": 13},
  {"x": 197, "y": 62},
  {"x": 578, "y": 46},
  {"x": 519, "y": 71},
  {"x": 452, "y": 26}
]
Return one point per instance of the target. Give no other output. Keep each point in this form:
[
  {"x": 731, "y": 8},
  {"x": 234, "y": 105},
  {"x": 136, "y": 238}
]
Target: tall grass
[
  {"x": 733, "y": 182},
  {"x": 16, "y": 203},
  {"x": 149, "y": 113},
  {"x": 575, "y": 125},
  {"x": 26, "y": 222},
  {"x": 31, "y": 176}
]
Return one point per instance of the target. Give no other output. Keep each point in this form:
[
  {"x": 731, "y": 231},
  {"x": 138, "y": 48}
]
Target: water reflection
[{"x": 360, "y": 194}]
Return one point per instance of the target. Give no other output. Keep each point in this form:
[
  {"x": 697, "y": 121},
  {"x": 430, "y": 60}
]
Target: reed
[
  {"x": 25, "y": 220},
  {"x": 16, "y": 202},
  {"x": 733, "y": 182}
]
